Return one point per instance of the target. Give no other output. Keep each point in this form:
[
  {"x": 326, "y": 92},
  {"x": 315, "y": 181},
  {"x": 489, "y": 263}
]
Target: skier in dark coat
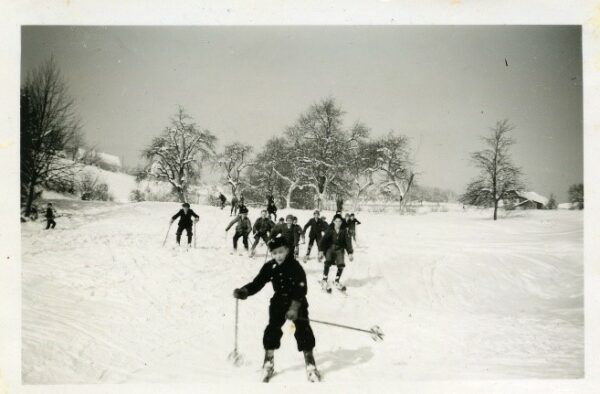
[
  {"x": 299, "y": 234},
  {"x": 262, "y": 229},
  {"x": 335, "y": 241},
  {"x": 352, "y": 222},
  {"x": 288, "y": 230},
  {"x": 186, "y": 217},
  {"x": 243, "y": 228},
  {"x": 223, "y": 200},
  {"x": 316, "y": 231},
  {"x": 271, "y": 207},
  {"x": 337, "y": 213},
  {"x": 288, "y": 302},
  {"x": 234, "y": 205},
  {"x": 50, "y": 216}
]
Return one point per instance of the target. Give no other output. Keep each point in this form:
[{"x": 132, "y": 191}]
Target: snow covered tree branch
[
  {"x": 499, "y": 178},
  {"x": 234, "y": 160},
  {"x": 48, "y": 128},
  {"x": 176, "y": 155}
]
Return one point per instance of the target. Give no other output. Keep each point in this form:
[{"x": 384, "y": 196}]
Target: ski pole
[
  {"x": 195, "y": 234},
  {"x": 375, "y": 331},
  {"x": 167, "y": 235},
  {"x": 234, "y": 356},
  {"x": 235, "y": 339}
]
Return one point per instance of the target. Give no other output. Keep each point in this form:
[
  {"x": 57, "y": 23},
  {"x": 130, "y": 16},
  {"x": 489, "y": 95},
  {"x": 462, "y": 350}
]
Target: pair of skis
[
  {"x": 326, "y": 286},
  {"x": 169, "y": 229},
  {"x": 312, "y": 373}
]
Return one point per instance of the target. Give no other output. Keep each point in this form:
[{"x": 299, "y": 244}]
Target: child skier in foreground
[{"x": 288, "y": 302}]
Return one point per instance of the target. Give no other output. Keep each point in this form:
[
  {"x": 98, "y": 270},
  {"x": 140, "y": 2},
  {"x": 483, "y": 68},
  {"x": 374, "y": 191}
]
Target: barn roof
[{"x": 533, "y": 196}]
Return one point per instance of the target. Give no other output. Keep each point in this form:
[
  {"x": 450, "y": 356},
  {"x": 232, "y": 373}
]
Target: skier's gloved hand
[
  {"x": 292, "y": 313},
  {"x": 351, "y": 257},
  {"x": 240, "y": 294}
]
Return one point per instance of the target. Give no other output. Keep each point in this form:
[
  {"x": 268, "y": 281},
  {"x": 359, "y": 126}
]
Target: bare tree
[
  {"x": 363, "y": 164},
  {"x": 75, "y": 146},
  {"x": 176, "y": 156},
  {"x": 280, "y": 156},
  {"x": 234, "y": 160},
  {"x": 499, "y": 178},
  {"x": 320, "y": 143},
  {"x": 395, "y": 165},
  {"x": 48, "y": 123}
]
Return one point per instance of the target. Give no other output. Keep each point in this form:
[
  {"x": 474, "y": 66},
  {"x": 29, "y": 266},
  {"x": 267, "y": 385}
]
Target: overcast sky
[{"x": 442, "y": 86}]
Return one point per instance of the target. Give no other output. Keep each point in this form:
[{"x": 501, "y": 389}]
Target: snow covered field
[{"x": 457, "y": 295}]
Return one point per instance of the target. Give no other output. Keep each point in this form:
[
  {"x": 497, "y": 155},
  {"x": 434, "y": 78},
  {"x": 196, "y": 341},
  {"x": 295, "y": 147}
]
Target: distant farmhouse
[
  {"x": 530, "y": 200},
  {"x": 100, "y": 159}
]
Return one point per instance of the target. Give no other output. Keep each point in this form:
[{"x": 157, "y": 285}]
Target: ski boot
[
  {"x": 325, "y": 285},
  {"x": 339, "y": 286},
  {"x": 312, "y": 373},
  {"x": 268, "y": 368}
]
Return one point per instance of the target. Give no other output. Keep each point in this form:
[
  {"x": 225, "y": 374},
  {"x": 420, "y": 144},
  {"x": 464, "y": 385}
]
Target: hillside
[{"x": 457, "y": 295}]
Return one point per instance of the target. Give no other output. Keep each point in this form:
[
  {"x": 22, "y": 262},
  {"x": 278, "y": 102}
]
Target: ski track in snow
[{"x": 456, "y": 295}]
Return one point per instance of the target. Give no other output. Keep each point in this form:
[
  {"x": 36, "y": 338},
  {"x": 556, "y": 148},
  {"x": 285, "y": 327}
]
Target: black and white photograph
[{"x": 300, "y": 205}]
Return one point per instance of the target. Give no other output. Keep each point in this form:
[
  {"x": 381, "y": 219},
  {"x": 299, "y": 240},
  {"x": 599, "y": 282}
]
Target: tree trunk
[
  {"x": 180, "y": 195},
  {"x": 288, "y": 198},
  {"x": 30, "y": 195},
  {"x": 356, "y": 199},
  {"x": 495, "y": 209},
  {"x": 320, "y": 199}
]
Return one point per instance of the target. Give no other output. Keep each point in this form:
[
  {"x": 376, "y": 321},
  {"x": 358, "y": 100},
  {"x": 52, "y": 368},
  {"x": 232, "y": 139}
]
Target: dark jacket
[
  {"x": 299, "y": 231},
  {"x": 244, "y": 225},
  {"x": 316, "y": 227},
  {"x": 344, "y": 224},
  {"x": 352, "y": 224},
  {"x": 222, "y": 198},
  {"x": 49, "y": 213},
  {"x": 291, "y": 234},
  {"x": 185, "y": 220},
  {"x": 288, "y": 279},
  {"x": 263, "y": 225},
  {"x": 339, "y": 241},
  {"x": 271, "y": 207}
]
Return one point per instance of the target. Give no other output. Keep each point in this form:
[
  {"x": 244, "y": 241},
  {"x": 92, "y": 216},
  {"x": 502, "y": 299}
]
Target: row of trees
[
  {"x": 317, "y": 157},
  {"x": 317, "y": 154}
]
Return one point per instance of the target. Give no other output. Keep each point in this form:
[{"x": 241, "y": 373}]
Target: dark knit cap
[{"x": 278, "y": 242}]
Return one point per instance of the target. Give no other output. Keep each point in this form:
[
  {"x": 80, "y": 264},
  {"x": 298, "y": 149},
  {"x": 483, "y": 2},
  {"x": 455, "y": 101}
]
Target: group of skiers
[{"x": 285, "y": 273}]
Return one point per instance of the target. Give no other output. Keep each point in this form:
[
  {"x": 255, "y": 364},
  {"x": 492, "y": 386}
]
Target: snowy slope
[{"x": 457, "y": 295}]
